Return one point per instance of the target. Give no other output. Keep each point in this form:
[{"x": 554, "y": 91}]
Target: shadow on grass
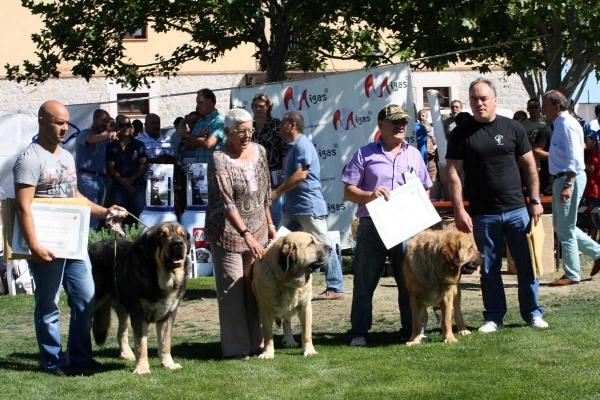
[
  {"x": 197, "y": 294},
  {"x": 30, "y": 362}
]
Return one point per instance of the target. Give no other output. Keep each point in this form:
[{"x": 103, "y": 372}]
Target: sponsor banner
[
  {"x": 20, "y": 127},
  {"x": 340, "y": 115}
]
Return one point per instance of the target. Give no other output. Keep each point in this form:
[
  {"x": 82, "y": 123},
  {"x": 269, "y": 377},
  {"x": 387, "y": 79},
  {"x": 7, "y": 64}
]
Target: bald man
[
  {"x": 157, "y": 144},
  {"x": 44, "y": 169}
]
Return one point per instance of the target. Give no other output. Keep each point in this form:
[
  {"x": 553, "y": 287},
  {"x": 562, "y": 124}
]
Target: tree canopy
[
  {"x": 542, "y": 35},
  {"x": 87, "y": 35}
]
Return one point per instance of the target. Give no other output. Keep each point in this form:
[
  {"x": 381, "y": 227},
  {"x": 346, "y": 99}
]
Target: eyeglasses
[
  {"x": 244, "y": 132},
  {"x": 127, "y": 125},
  {"x": 533, "y": 107}
]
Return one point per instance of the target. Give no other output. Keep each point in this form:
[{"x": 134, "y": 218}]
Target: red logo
[
  {"x": 377, "y": 135},
  {"x": 298, "y": 96},
  {"x": 199, "y": 241},
  {"x": 344, "y": 118},
  {"x": 377, "y": 85}
]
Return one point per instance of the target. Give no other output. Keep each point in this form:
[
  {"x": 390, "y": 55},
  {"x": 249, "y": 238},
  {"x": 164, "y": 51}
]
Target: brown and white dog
[
  {"x": 282, "y": 284},
  {"x": 433, "y": 264}
]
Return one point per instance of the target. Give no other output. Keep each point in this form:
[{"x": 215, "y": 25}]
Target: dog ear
[
  {"x": 287, "y": 256},
  {"x": 452, "y": 250}
]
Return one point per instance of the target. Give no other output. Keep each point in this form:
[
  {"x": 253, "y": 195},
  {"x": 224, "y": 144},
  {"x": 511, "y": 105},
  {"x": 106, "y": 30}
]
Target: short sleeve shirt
[
  {"x": 489, "y": 153},
  {"x": 53, "y": 175},
  {"x": 127, "y": 160},
  {"x": 306, "y": 198},
  {"x": 156, "y": 147},
  {"x": 90, "y": 156},
  {"x": 213, "y": 123}
]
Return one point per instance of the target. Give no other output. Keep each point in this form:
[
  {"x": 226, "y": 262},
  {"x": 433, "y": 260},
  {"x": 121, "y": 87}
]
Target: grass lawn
[{"x": 562, "y": 362}]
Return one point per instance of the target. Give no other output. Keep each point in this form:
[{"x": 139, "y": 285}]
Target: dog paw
[
  {"x": 267, "y": 356},
  {"x": 464, "y": 332},
  {"x": 141, "y": 370},
  {"x": 309, "y": 350},
  {"x": 173, "y": 366},
  {"x": 290, "y": 342},
  {"x": 451, "y": 339},
  {"x": 425, "y": 338},
  {"x": 414, "y": 342},
  {"x": 127, "y": 355}
]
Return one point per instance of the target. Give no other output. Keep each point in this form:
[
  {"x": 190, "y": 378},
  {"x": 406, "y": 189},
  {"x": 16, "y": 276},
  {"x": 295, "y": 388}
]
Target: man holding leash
[
  {"x": 491, "y": 148},
  {"x": 374, "y": 171},
  {"x": 44, "y": 169}
]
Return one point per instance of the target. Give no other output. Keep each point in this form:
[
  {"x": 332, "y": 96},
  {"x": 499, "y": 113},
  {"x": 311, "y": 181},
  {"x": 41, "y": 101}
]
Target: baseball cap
[
  {"x": 593, "y": 135},
  {"x": 392, "y": 112}
]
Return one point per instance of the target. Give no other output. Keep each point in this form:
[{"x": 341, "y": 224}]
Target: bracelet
[
  {"x": 242, "y": 233},
  {"x": 272, "y": 225}
]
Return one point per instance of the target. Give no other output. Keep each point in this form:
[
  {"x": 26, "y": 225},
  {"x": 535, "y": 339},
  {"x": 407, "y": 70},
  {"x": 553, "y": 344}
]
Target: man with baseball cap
[{"x": 374, "y": 171}]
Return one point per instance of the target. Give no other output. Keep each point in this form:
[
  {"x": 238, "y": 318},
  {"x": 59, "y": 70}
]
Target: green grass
[{"x": 517, "y": 362}]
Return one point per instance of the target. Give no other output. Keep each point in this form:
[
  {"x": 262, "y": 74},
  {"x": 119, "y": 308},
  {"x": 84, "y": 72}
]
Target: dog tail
[{"x": 101, "y": 323}]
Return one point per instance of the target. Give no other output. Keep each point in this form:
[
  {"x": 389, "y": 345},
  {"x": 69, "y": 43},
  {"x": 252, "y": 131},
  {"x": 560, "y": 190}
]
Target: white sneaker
[
  {"x": 358, "y": 341},
  {"x": 538, "y": 323},
  {"x": 489, "y": 327}
]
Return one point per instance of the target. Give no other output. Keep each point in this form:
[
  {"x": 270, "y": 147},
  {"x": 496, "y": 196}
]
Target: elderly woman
[
  {"x": 432, "y": 156},
  {"x": 238, "y": 225},
  {"x": 267, "y": 135}
]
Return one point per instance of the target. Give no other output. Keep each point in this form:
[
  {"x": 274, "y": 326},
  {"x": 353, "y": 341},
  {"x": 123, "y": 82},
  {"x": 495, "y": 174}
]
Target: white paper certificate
[
  {"x": 408, "y": 212},
  {"x": 64, "y": 229}
]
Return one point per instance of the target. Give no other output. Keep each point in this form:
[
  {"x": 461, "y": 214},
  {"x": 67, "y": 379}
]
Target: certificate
[
  {"x": 64, "y": 229},
  {"x": 406, "y": 213}
]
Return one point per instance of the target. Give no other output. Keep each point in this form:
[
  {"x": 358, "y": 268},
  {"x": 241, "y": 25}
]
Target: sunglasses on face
[
  {"x": 127, "y": 125},
  {"x": 533, "y": 107}
]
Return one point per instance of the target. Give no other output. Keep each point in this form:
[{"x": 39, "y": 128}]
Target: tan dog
[
  {"x": 282, "y": 284},
  {"x": 433, "y": 264}
]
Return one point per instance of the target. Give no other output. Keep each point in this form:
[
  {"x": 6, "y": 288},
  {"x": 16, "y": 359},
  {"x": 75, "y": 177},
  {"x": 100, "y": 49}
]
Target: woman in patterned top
[
  {"x": 238, "y": 224},
  {"x": 267, "y": 135}
]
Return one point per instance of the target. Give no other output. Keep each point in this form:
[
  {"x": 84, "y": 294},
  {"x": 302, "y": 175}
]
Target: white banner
[
  {"x": 340, "y": 115},
  {"x": 18, "y": 128}
]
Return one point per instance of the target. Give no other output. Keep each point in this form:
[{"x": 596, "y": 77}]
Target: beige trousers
[{"x": 241, "y": 333}]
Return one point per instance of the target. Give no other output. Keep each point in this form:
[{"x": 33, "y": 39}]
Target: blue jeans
[
  {"x": 134, "y": 204},
  {"x": 94, "y": 188},
  {"x": 276, "y": 210},
  {"x": 570, "y": 236},
  {"x": 318, "y": 227},
  {"x": 489, "y": 231},
  {"x": 76, "y": 278},
  {"x": 369, "y": 261}
]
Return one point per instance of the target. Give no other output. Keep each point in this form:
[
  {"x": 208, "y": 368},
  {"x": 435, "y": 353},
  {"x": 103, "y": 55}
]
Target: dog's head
[
  {"x": 169, "y": 242},
  {"x": 460, "y": 251},
  {"x": 301, "y": 254}
]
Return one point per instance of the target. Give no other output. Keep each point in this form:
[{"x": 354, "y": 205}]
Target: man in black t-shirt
[
  {"x": 490, "y": 148},
  {"x": 541, "y": 147}
]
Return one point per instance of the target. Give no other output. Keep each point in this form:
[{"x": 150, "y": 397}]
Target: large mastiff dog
[
  {"x": 433, "y": 264},
  {"x": 143, "y": 280},
  {"x": 282, "y": 284}
]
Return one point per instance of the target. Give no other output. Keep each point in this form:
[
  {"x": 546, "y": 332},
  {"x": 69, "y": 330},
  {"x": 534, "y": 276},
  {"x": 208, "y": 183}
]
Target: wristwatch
[
  {"x": 568, "y": 185},
  {"x": 535, "y": 201}
]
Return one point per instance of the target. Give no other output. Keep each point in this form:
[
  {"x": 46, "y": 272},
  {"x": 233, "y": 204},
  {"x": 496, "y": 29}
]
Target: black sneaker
[{"x": 58, "y": 371}]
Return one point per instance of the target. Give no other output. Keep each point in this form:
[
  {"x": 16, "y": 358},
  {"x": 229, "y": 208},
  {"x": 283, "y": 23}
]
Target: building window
[
  {"x": 140, "y": 34},
  {"x": 443, "y": 97},
  {"x": 133, "y": 104}
]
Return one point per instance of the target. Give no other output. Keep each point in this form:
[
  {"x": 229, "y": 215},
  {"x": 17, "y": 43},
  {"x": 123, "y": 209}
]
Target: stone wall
[{"x": 13, "y": 96}]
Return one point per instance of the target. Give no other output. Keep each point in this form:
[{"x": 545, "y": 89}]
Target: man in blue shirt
[
  {"x": 90, "y": 153},
  {"x": 304, "y": 206},
  {"x": 565, "y": 161}
]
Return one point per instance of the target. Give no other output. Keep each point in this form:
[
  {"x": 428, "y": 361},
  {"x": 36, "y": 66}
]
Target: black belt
[
  {"x": 100, "y": 174},
  {"x": 560, "y": 174}
]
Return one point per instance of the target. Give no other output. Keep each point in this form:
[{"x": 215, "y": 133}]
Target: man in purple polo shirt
[{"x": 374, "y": 171}]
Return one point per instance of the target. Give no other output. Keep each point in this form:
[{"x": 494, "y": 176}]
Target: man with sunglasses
[
  {"x": 126, "y": 163},
  {"x": 90, "y": 154},
  {"x": 374, "y": 171},
  {"x": 534, "y": 123}
]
